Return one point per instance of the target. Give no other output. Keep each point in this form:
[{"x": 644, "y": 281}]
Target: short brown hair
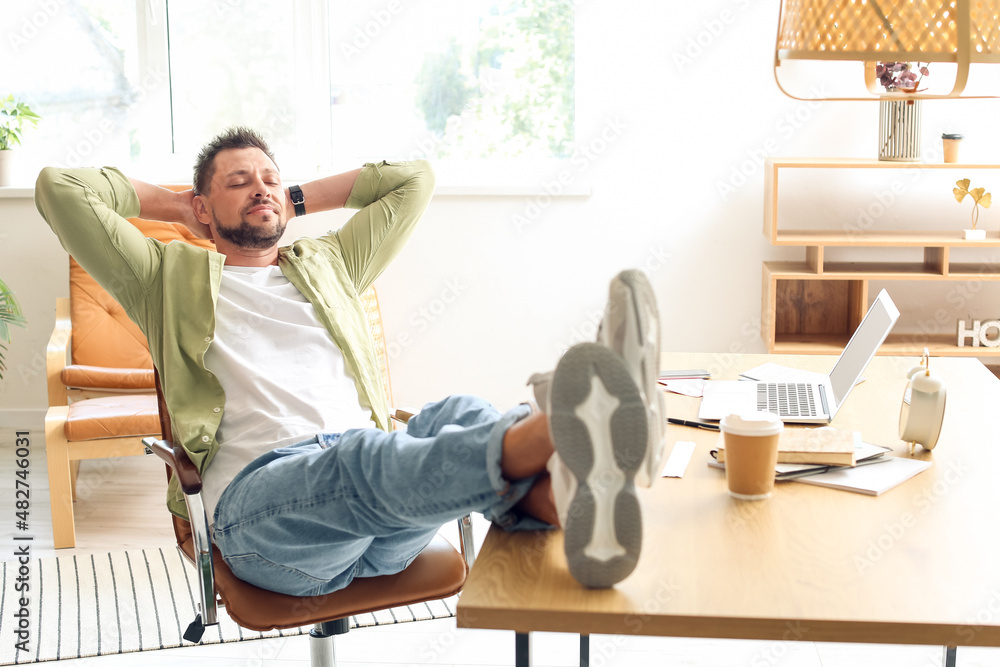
[{"x": 233, "y": 137}]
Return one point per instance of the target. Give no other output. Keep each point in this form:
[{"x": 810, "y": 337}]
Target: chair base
[{"x": 321, "y": 650}]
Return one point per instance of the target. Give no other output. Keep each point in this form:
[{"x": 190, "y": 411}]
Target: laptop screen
[{"x": 863, "y": 345}]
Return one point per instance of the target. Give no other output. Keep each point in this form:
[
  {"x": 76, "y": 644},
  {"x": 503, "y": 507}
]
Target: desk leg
[
  {"x": 584, "y": 650},
  {"x": 950, "y": 656},
  {"x": 522, "y": 649}
]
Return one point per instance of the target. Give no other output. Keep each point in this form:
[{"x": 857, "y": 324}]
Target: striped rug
[{"x": 83, "y": 606}]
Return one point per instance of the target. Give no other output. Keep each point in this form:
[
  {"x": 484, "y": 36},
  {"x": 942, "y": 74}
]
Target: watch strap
[{"x": 298, "y": 199}]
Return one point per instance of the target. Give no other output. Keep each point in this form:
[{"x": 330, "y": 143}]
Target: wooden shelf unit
[{"x": 813, "y": 306}]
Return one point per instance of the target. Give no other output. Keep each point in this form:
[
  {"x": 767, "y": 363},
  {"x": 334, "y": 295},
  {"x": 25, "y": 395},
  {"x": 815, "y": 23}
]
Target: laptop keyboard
[{"x": 792, "y": 399}]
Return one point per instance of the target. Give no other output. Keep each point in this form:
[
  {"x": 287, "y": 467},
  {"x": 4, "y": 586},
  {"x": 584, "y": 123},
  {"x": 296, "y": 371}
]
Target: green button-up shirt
[{"x": 170, "y": 290}]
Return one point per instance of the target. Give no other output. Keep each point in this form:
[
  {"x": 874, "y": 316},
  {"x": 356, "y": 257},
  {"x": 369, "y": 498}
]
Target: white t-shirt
[{"x": 285, "y": 380}]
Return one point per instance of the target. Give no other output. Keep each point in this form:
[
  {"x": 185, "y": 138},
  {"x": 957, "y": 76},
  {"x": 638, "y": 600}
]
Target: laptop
[{"x": 806, "y": 402}]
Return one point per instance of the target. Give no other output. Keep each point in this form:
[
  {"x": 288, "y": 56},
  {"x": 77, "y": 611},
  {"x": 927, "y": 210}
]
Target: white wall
[{"x": 674, "y": 100}]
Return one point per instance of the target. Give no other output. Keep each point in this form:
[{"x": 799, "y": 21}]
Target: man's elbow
[
  {"x": 424, "y": 177},
  {"x": 47, "y": 183}
]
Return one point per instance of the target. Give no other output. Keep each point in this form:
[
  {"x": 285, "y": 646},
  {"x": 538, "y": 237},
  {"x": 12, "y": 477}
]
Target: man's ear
[{"x": 200, "y": 207}]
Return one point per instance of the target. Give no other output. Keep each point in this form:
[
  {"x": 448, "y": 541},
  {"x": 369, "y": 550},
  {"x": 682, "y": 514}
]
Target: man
[{"x": 272, "y": 385}]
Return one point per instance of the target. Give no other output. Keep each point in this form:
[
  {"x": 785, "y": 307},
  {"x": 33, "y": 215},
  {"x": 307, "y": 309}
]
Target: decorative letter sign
[{"x": 986, "y": 334}]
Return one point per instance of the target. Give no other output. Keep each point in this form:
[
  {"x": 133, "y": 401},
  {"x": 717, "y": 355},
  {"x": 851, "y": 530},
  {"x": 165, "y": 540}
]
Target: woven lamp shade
[{"x": 946, "y": 31}]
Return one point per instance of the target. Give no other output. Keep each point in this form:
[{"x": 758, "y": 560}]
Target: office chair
[{"x": 438, "y": 572}]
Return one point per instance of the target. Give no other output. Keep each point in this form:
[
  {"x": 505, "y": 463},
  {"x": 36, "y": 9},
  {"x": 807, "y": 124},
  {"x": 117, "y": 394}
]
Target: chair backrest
[
  {"x": 103, "y": 335},
  {"x": 370, "y": 301}
]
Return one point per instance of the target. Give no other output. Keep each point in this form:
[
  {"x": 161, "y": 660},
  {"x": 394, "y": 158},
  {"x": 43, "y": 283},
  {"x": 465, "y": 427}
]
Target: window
[{"x": 472, "y": 84}]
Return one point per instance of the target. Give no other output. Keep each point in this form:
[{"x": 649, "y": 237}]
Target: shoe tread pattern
[{"x": 575, "y": 446}]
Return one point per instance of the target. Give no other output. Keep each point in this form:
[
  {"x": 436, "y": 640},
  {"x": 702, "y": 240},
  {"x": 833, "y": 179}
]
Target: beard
[{"x": 245, "y": 235}]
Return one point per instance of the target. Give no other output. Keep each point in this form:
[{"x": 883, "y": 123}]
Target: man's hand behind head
[{"x": 189, "y": 220}]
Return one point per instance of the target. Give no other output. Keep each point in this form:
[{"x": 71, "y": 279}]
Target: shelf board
[
  {"x": 978, "y": 271},
  {"x": 896, "y": 345},
  {"x": 891, "y": 237},
  {"x": 881, "y": 271},
  {"x": 867, "y": 163},
  {"x": 857, "y": 271}
]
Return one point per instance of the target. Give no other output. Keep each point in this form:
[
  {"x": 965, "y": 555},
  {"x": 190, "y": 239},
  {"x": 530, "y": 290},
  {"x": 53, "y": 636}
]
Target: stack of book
[{"x": 829, "y": 456}]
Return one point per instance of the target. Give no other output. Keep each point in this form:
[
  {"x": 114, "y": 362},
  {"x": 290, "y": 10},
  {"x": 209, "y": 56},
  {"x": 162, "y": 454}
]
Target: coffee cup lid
[
  {"x": 951, "y": 136},
  {"x": 752, "y": 423}
]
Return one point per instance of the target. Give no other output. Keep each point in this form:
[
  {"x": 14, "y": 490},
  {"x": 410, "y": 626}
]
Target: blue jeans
[{"x": 309, "y": 518}]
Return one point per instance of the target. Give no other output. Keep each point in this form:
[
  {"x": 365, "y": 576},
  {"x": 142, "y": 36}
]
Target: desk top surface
[{"x": 917, "y": 564}]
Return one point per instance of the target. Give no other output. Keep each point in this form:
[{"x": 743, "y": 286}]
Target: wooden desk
[{"x": 919, "y": 564}]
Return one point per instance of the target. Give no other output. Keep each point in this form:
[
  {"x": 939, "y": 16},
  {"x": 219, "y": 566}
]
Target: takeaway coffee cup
[
  {"x": 951, "y": 143},
  {"x": 751, "y": 443}
]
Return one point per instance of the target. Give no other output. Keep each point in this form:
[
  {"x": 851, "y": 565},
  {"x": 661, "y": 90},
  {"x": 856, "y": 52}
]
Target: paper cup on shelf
[
  {"x": 751, "y": 442},
  {"x": 951, "y": 142}
]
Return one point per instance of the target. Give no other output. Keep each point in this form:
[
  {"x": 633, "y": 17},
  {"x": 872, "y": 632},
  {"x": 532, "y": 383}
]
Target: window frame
[{"x": 313, "y": 117}]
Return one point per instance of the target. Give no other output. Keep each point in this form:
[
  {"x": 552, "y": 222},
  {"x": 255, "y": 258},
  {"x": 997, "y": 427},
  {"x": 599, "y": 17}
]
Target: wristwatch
[{"x": 295, "y": 192}]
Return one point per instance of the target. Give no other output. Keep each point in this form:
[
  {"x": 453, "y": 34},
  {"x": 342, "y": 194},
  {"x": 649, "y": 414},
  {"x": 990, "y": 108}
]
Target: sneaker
[
  {"x": 540, "y": 388},
  {"x": 598, "y": 425},
  {"x": 631, "y": 327}
]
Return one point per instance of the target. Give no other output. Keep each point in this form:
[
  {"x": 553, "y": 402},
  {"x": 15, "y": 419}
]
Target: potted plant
[
  {"x": 899, "y": 115},
  {"x": 10, "y": 314},
  {"x": 980, "y": 197},
  {"x": 13, "y": 116}
]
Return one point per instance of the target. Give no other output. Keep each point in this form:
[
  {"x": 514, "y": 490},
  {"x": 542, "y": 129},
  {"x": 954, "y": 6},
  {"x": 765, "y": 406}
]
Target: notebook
[{"x": 807, "y": 402}]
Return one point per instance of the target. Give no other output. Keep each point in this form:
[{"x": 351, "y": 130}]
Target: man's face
[{"x": 246, "y": 200}]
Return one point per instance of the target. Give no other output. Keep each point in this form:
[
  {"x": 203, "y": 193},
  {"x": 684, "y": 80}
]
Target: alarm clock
[{"x": 922, "y": 411}]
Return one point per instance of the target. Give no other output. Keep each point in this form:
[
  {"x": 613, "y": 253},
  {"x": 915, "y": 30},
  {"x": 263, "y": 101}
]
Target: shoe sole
[
  {"x": 643, "y": 312},
  {"x": 599, "y": 429}
]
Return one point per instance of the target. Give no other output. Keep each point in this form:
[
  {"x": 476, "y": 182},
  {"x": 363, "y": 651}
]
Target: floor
[{"x": 121, "y": 507}]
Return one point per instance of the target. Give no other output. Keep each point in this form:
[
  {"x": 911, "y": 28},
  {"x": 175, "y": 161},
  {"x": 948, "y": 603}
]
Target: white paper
[
  {"x": 680, "y": 455},
  {"x": 772, "y": 372},
  {"x": 688, "y": 387},
  {"x": 872, "y": 480}
]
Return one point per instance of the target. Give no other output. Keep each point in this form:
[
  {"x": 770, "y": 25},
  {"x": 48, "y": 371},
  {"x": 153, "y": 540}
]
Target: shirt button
[
  {"x": 205, "y": 438},
  {"x": 216, "y": 409}
]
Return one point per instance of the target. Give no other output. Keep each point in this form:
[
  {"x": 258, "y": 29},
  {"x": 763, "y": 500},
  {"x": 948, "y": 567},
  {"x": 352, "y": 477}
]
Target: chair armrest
[
  {"x": 109, "y": 380},
  {"x": 57, "y": 353},
  {"x": 177, "y": 458},
  {"x": 402, "y": 415}
]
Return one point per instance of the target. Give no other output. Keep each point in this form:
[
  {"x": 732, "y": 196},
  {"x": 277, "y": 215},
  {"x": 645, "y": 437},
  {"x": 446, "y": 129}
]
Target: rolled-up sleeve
[
  {"x": 392, "y": 197},
  {"x": 87, "y": 210}
]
